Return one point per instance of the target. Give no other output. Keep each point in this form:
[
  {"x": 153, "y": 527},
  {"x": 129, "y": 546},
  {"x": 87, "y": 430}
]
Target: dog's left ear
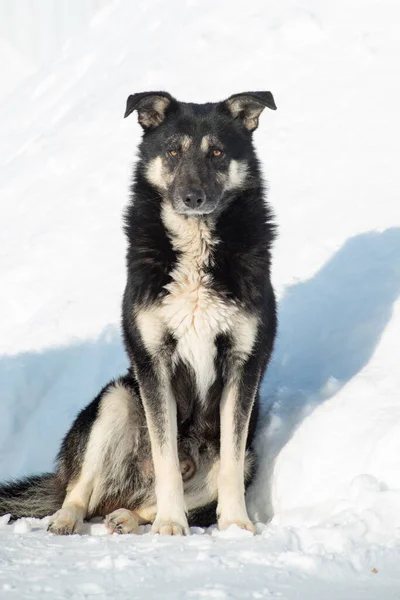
[
  {"x": 248, "y": 106},
  {"x": 151, "y": 107}
]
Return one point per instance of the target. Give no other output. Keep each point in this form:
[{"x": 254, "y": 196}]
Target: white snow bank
[
  {"x": 329, "y": 471},
  {"x": 333, "y": 383}
]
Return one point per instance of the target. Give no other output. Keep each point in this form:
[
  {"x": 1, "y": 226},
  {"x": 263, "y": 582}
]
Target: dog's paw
[
  {"x": 122, "y": 521},
  {"x": 242, "y": 523},
  {"x": 170, "y": 526},
  {"x": 65, "y": 521}
]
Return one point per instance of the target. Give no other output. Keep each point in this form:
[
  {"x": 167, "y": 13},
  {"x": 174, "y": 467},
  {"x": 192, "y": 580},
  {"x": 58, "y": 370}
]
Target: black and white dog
[{"x": 172, "y": 439}]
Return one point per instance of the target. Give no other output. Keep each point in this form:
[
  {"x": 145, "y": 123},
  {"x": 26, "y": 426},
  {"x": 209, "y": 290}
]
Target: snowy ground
[
  {"x": 277, "y": 563},
  {"x": 330, "y": 442}
]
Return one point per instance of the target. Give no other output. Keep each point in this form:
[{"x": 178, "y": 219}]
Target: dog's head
[{"x": 198, "y": 155}]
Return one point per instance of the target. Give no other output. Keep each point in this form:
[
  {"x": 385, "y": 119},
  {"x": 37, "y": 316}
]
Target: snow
[
  {"x": 327, "y": 494},
  {"x": 279, "y": 562}
]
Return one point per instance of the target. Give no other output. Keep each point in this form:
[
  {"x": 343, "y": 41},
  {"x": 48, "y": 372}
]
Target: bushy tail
[{"x": 36, "y": 496}]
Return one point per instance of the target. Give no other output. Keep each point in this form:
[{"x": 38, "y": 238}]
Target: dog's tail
[{"x": 36, "y": 496}]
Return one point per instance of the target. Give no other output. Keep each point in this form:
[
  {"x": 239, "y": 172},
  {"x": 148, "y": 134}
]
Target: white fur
[
  {"x": 208, "y": 141},
  {"x": 205, "y": 143},
  {"x": 152, "y": 329},
  {"x": 122, "y": 521},
  {"x": 67, "y": 520},
  {"x": 192, "y": 311},
  {"x": 244, "y": 335},
  {"x": 157, "y": 175},
  {"x": 186, "y": 142},
  {"x": 237, "y": 173},
  {"x": 231, "y": 504},
  {"x": 171, "y": 518}
]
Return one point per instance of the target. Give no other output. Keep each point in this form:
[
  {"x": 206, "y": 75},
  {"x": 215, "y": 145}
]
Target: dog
[{"x": 170, "y": 443}]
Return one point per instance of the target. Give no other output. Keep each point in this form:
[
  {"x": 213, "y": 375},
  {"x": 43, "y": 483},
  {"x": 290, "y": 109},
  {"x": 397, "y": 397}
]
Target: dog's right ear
[
  {"x": 151, "y": 107},
  {"x": 248, "y": 106}
]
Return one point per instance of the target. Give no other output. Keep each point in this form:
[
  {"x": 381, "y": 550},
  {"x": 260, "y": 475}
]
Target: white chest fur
[{"x": 192, "y": 311}]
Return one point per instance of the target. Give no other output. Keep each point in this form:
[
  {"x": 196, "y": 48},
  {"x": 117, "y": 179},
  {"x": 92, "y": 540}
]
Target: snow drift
[{"x": 330, "y": 442}]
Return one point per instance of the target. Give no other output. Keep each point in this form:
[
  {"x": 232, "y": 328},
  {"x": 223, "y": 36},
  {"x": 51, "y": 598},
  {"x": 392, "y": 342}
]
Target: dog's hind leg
[
  {"x": 78, "y": 467},
  {"x": 69, "y": 519},
  {"x": 103, "y": 447}
]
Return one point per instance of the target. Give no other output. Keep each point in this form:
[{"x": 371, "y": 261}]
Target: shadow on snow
[
  {"x": 42, "y": 392},
  {"x": 329, "y": 327}
]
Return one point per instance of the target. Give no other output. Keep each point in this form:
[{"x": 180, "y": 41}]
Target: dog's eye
[
  {"x": 216, "y": 153},
  {"x": 173, "y": 152}
]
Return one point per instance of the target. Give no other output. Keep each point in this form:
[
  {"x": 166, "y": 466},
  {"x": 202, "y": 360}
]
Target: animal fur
[{"x": 171, "y": 442}]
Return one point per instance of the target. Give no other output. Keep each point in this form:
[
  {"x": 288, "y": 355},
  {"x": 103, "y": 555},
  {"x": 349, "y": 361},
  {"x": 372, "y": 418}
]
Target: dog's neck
[{"x": 193, "y": 237}]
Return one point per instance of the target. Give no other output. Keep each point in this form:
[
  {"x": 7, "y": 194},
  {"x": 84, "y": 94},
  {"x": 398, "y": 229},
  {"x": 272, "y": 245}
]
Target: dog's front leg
[
  {"x": 160, "y": 408},
  {"x": 236, "y": 406}
]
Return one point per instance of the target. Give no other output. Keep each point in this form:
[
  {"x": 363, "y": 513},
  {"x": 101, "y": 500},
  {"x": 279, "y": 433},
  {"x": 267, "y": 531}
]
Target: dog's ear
[
  {"x": 151, "y": 107},
  {"x": 248, "y": 106}
]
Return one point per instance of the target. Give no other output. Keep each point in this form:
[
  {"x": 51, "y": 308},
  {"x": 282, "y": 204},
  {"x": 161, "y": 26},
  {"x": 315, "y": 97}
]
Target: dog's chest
[
  {"x": 191, "y": 311},
  {"x": 194, "y": 314}
]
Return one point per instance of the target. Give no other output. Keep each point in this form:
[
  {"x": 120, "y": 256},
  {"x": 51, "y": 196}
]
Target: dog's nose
[{"x": 194, "y": 199}]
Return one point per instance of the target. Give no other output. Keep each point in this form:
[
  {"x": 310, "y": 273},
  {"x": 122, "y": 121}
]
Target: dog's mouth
[{"x": 195, "y": 213}]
